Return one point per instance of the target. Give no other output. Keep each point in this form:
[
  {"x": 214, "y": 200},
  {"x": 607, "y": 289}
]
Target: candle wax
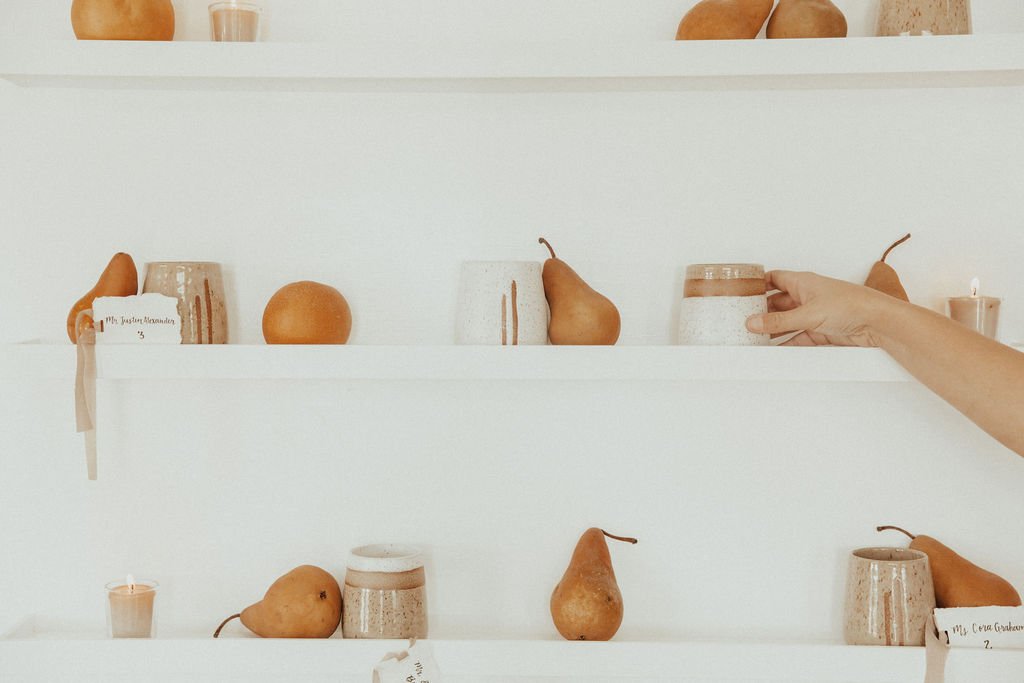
[
  {"x": 131, "y": 613},
  {"x": 980, "y": 313},
  {"x": 235, "y": 25}
]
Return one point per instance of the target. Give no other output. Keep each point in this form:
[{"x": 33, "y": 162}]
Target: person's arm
[{"x": 981, "y": 378}]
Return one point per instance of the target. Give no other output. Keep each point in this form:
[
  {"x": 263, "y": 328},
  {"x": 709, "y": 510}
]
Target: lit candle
[
  {"x": 980, "y": 313},
  {"x": 234, "y": 22},
  {"x": 130, "y": 608}
]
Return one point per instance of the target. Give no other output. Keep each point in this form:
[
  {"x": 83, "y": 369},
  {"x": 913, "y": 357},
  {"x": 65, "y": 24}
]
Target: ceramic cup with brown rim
[
  {"x": 385, "y": 594},
  {"x": 889, "y": 595}
]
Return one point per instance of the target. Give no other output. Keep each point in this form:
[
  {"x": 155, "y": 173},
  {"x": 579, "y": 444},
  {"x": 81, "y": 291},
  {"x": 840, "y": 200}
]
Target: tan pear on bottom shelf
[
  {"x": 806, "y": 19},
  {"x": 724, "y": 19},
  {"x": 304, "y": 603},
  {"x": 959, "y": 583},
  {"x": 587, "y": 604},
  {"x": 579, "y": 315}
]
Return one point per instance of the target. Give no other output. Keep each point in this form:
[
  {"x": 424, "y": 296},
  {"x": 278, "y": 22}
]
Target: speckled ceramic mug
[
  {"x": 199, "y": 289},
  {"x": 501, "y": 303},
  {"x": 717, "y": 300},
  {"x": 889, "y": 595}
]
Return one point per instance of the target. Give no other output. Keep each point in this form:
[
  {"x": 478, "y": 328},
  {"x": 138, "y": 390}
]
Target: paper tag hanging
[
  {"x": 415, "y": 665},
  {"x": 142, "y": 319}
]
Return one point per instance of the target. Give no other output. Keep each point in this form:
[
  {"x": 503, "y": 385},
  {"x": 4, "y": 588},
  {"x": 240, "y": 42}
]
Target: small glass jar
[
  {"x": 234, "y": 22},
  {"x": 924, "y": 17},
  {"x": 385, "y": 594},
  {"x": 717, "y": 300}
]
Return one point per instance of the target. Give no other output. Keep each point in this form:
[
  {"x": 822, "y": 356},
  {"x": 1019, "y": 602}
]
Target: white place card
[
  {"x": 142, "y": 319},
  {"x": 415, "y": 665},
  {"x": 988, "y": 628}
]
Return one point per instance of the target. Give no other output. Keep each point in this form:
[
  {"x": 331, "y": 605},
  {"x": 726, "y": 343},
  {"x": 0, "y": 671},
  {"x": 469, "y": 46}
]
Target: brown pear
[
  {"x": 586, "y": 603},
  {"x": 959, "y": 583},
  {"x": 119, "y": 278},
  {"x": 579, "y": 315},
  {"x": 884, "y": 278},
  {"x": 724, "y": 19},
  {"x": 806, "y": 19},
  {"x": 304, "y": 603}
]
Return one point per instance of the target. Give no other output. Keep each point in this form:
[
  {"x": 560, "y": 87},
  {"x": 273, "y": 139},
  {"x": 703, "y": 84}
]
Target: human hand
[{"x": 821, "y": 309}]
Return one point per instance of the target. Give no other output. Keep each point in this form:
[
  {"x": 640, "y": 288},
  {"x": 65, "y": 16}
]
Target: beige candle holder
[
  {"x": 235, "y": 22},
  {"x": 131, "y": 608},
  {"x": 980, "y": 313}
]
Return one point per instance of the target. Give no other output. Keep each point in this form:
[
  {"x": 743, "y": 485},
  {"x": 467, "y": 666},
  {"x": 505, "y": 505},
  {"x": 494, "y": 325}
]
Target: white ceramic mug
[{"x": 501, "y": 303}]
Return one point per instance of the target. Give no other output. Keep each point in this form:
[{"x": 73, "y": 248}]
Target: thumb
[{"x": 776, "y": 322}]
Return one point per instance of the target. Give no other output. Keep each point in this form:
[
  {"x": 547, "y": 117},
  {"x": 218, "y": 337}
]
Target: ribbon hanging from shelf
[
  {"x": 936, "y": 647},
  {"x": 85, "y": 395}
]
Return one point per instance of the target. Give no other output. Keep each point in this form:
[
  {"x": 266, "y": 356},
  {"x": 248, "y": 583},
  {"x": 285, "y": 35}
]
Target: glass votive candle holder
[
  {"x": 385, "y": 593},
  {"x": 717, "y": 300},
  {"x": 131, "y": 608},
  {"x": 235, "y": 22},
  {"x": 980, "y": 313}
]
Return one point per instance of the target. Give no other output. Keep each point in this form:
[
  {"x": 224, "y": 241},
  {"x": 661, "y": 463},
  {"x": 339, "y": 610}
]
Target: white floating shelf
[
  {"x": 980, "y": 60},
  {"x": 459, "y": 363},
  {"x": 70, "y": 656}
]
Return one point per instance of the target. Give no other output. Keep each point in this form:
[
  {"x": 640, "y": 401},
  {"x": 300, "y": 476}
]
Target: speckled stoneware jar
[
  {"x": 385, "y": 593},
  {"x": 501, "y": 303},
  {"x": 199, "y": 289},
  {"x": 889, "y": 595},
  {"x": 924, "y": 17},
  {"x": 717, "y": 300}
]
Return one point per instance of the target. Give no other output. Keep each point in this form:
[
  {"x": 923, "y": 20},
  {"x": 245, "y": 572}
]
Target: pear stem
[
  {"x": 894, "y": 245},
  {"x": 546, "y": 244},
  {"x": 233, "y": 616},
  {"x": 619, "y": 538},
  {"x": 895, "y": 528}
]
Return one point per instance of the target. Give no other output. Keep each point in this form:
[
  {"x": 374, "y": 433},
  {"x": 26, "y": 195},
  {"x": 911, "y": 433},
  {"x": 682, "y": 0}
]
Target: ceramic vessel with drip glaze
[{"x": 199, "y": 288}]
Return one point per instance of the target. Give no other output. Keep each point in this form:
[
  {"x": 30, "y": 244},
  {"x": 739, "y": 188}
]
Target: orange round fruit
[{"x": 307, "y": 313}]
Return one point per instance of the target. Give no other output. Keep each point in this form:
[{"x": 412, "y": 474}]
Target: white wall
[{"x": 746, "y": 497}]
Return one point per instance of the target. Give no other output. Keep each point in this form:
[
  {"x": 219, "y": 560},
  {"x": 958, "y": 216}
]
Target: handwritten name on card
[
  {"x": 142, "y": 319},
  {"x": 989, "y": 628},
  {"x": 415, "y": 665}
]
